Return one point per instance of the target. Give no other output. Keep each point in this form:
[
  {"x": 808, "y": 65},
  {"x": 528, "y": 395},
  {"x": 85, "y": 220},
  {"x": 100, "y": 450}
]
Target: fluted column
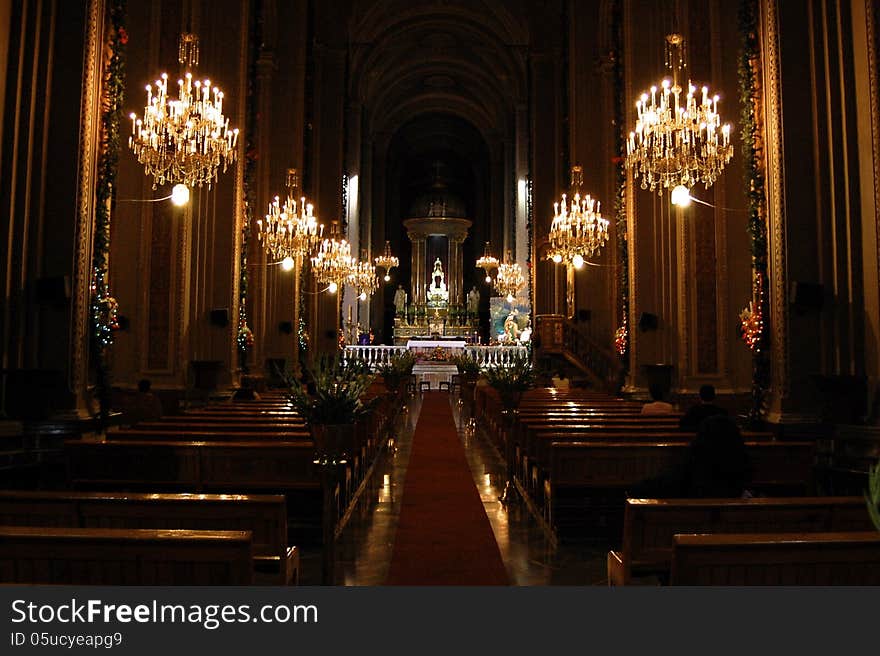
[{"x": 417, "y": 280}]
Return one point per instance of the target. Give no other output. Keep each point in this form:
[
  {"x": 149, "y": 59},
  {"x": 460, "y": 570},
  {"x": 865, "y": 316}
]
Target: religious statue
[
  {"x": 400, "y": 301},
  {"x": 473, "y": 301},
  {"x": 511, "y": 330},
  {"x": 437, "y": 292},
  {"x": 438, "y": 277}
]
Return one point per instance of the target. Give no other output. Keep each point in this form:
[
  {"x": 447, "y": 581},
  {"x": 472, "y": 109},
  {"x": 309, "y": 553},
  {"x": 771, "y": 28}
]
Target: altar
[{"x": 433, "y": 373}]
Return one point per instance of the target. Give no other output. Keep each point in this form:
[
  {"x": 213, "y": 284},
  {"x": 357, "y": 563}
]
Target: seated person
[
  {"x": 715, "y": 465},
  {"x": 560, "y": 381},
  {"x": 145, "y": 405},
  {"x": 657, "y": 406},
  {"x": 705, "y": 408}
]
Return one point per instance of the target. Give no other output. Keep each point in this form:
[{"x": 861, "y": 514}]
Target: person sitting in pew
[
  {"x": 715, "y": 465},
  {"x": 657, "y": 406},
  {"x": 145, "y": 406},
  {"x": 705, "y": 408}
]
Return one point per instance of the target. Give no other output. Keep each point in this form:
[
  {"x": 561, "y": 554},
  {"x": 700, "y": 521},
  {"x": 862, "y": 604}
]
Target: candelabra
[
  {"x": 487, "y": 262},
  {"x": 387, "y": 261},
  {"x": 578, "y": 230},
  {"x": 510, "y": 280}
]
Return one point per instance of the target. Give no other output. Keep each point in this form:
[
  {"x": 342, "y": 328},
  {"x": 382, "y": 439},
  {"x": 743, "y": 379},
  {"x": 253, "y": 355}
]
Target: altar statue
[
  {"x": 400, "y": 301},
  {"x": 437, "y": 292},
  {"x": 438, "y": 277},
  {"x": 511, "y": 330},
  {"x": 473, "y": 301}
]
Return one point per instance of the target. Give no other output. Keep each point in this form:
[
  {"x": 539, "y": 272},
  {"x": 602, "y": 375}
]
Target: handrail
[
  {"x": 595, "y": 358},
  {"x": 486, "y": 356}
]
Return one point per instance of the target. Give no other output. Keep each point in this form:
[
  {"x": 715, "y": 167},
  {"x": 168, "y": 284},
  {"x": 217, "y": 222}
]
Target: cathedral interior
[{"x": 725, "y": 232}]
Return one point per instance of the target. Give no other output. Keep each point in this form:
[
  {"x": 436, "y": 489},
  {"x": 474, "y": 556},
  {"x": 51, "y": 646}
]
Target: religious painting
[{"x": 510, "y": 323}]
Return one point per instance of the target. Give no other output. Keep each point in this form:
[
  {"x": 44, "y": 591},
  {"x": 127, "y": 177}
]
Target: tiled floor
[{"x": 365, "y": 546}]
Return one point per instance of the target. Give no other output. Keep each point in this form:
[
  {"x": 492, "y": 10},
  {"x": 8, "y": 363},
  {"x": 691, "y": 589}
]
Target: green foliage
[
  {"x": 513, "y": 379},
  {"x": 872, "y": 496},
  {"x": 337, "y": 392},
  {"x": 467, "y": 364},
  {"x": 398, "y": 368}
]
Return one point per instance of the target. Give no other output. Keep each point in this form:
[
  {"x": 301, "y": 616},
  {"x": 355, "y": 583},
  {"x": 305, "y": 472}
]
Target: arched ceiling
[{"x": 464, "y": 58}]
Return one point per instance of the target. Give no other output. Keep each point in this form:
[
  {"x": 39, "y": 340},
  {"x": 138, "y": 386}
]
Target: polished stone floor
[{"x": 367, "y": 542}]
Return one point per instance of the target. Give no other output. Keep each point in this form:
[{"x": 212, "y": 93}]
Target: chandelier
[
  {"x": 387, "y": 261},
  {"x": 289, "y": 229},
  {"x": 578, "y": 230},
  {"x": 677, "y": 140},
  {"x": 184, "y": 140},
  {"x": 333, "y": 264},
  {"x": 363, "y": 278},
  {"x": 510, "y": 279},
  {"x": 487, "y": 262}
]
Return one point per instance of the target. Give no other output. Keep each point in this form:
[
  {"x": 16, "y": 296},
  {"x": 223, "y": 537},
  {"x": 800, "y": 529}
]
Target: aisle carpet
[{"x": 444, "y": 536}]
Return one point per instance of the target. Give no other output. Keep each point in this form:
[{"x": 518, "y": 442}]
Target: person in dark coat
[
  {"x": 691, "y": 419},
  {"x": 715, "y": 464}
]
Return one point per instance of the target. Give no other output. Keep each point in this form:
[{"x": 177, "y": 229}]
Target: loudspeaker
[
  {"x": 585, "y": 315},
  {"x": 55, "y": 289},
  {"x": 285, "y": 327},
  {"x": 807, "y": 295},
  {"x": 220, "y": 317},
  {"x": 648, "y": 321}
]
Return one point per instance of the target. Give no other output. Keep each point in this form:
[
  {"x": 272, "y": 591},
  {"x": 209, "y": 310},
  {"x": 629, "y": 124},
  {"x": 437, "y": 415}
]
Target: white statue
[
  {"x": 438, "y": 278},
  {"x": 473, "y": 301},
  {"x": 400, "y": 300}
]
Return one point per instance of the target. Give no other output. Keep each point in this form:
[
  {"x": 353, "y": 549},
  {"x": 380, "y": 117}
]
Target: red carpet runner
[{"x": 444, "y": 536}]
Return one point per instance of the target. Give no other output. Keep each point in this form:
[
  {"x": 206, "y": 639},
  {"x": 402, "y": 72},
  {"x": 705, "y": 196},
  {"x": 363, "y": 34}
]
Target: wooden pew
[
  {"x": 720, "y": 559},
  {"x": 265, "y": 516},
  {"x": 87, "y": 556},
  {"x": 649, "y": 525},
  {"x": 604, "y": 470}
]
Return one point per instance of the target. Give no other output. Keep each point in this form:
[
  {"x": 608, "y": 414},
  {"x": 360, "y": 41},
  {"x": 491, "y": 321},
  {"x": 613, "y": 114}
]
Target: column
[{"x": 417, "y": 280}]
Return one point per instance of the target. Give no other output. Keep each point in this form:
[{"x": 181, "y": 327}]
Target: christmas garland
[
  {"x": 244, "y": 336},
  {"x": 621, "y": 335},
  {"x": 103, "y": 307},
  {"x": 754, "y": 323}
]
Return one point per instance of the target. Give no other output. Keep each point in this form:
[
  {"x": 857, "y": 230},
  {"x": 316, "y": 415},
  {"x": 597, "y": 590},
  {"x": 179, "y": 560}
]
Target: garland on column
[
  {"x": 754, "y": 323},
  {"x": 621, "y": 335},
  {"x": 244, "y": 336},
  {"x": 103, "y": 307}
]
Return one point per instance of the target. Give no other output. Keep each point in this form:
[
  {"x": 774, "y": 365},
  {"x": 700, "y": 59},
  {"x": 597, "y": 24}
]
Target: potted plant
[
  {"x": 397, "y": 370},
  {"x": 468, "y": 372},
  {"x": 512, "y": 380},
  {"x": 332, "y": 404}
]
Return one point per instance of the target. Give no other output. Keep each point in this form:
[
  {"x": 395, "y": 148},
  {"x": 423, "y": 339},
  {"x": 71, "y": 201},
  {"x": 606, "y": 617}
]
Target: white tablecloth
[
  {"x": 434, "y": 373},
  {"x": 431, "y": 343}
]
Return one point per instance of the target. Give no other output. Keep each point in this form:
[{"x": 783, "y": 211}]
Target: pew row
[
  {"x": 649, "y": 526},
  {"x": 89, "y": 556},
  {"x": 720, "y": 559},
  {"x": 265, "y": 516}
]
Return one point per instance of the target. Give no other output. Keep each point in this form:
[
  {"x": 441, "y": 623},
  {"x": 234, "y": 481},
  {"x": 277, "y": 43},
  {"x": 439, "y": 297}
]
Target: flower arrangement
[
  {"x": 751, "y": 326},
  {"x": 621, "y": 335}
]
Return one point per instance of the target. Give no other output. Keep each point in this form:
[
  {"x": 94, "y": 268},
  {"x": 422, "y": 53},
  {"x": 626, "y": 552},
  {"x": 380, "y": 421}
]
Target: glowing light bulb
[
  {"x": 287, "y": 263},
  {"x": 680, "y": 196},
  {"x": 488, "y": 279},
  {"x": 332, "y": 287},
  {"x": 180, "y": 195},
  {"x": 363, "y": 296},
  {"x": 577, "y": 261},
  {"x": 557, "y": 258},
  {"x": 510, "y": 298},
  {"x": 387, "y": 278}
]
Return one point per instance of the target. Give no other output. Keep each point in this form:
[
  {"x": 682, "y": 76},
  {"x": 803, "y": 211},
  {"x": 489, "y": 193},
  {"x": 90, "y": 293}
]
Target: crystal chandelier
[
  {"x": 289, "y": 229},
  {"x": 510, "y": 279},
  {"x": 677, "y": 140},
  {"x": 487, "y": 262},
  {"x": 578, "y": 230},
  {"x": 333, "y": 264},
  {"x": 184, "y": 140},
  {"x": 363, "y": 278},
  {"x": 387, "y": 261}
]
